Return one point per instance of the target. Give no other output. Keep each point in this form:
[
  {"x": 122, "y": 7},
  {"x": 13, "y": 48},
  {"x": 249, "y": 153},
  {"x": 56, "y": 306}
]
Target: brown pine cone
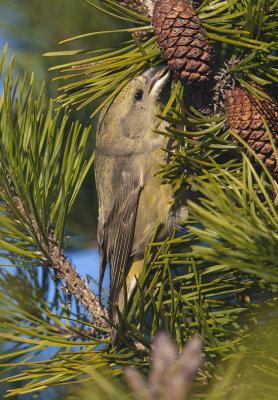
[
  {"x": 140, "y": 34},
  {"x": 183, "y": 40},
  {"x": 244, "y": 111}
]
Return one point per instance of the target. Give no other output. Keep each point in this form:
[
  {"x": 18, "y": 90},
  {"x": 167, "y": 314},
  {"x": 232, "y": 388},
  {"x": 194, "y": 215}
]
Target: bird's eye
[{"x": 138, "y": 94}]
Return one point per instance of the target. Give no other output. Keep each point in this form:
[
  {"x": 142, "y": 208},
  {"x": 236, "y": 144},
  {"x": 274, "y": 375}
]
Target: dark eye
[{"x": 138, "y": 94}]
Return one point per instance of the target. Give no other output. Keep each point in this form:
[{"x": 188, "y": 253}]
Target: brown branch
[
  {"x": 143, "y": 7},
  {"x": 70, "y": 334},
  {"x": 75, "y": 285},
  {"x": 54, "y": 258}
]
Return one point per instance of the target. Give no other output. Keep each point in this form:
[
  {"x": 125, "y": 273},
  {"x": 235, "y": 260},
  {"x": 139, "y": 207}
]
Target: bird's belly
[{"x": 153, "y": 210}]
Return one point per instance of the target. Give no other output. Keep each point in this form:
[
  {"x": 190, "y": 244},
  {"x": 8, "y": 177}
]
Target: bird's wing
[
  {"x": 102, "y": 254},
  {"x": 115, "y": 235}
]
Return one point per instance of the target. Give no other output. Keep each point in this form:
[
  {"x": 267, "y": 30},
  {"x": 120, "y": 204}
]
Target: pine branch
[
  {"x": 55, "y": 259},
  {"x": 143, "y": 7},
  {"x": 229, "y": 27}
]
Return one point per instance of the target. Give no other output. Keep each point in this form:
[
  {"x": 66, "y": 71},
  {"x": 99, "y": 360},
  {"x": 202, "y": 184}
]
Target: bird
[{"x": 132, "y": 202}]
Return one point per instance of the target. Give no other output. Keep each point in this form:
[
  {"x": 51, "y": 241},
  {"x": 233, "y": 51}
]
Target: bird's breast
[{"x": 154, "y": 206}]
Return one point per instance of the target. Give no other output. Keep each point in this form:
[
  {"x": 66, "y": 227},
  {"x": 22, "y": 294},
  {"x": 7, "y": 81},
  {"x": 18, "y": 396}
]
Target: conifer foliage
[{"x": 212, "y": 287}]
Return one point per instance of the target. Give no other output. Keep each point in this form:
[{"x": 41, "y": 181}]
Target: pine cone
[
  {"x": 183, "y": 40},
  {"x": 245, "y": 111},
  {"x": 139, "y": 34}
]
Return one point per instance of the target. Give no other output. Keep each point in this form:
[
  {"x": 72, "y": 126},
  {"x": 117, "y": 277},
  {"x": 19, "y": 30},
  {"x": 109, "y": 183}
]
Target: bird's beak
[{"x": 156, "y": 78}]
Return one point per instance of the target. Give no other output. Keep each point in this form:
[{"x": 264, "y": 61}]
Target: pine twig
[
  {"x": 143, "y": 7},
  {"x": 54, "y": 258}
]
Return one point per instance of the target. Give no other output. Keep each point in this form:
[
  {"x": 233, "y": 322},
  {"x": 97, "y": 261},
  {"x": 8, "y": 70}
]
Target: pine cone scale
[
  {"x": 181, "y": 51},
  {"x": 173, "y": 14},
  {"x": 184, "y": 40},
  {"x": 180, "y": 22},
  {"x": 168, "y": 23}
]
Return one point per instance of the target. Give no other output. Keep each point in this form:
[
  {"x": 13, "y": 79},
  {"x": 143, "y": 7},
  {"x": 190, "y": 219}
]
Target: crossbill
[{"x": 132, "y": 200}]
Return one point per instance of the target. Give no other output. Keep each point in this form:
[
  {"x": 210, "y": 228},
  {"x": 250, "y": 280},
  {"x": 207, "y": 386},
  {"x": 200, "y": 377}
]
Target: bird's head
[{"x": 132, "y": 112}]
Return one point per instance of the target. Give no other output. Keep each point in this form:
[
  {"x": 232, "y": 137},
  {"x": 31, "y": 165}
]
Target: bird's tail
[{"x": 131, "y": 278}]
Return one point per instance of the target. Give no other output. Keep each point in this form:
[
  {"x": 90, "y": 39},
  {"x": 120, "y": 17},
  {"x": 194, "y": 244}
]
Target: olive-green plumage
[{"x": 131, "y": 199}]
